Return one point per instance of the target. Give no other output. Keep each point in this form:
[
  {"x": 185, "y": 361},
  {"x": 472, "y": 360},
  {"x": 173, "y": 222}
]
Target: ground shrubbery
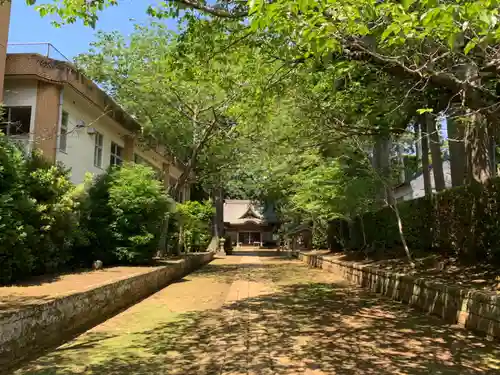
[
  {"x": 461, "y": 222},
  {"x": 57, "y": 204},
  {"x": 193, "y": 220},
  {"x": 39, "y": 225},
  {"x": 47, "y": 224},
  {"x": 124, "y": 215}
]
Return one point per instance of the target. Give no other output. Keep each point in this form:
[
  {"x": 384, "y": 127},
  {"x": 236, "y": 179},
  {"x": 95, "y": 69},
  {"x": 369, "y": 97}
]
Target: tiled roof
[{"x": 239, "y": 211}]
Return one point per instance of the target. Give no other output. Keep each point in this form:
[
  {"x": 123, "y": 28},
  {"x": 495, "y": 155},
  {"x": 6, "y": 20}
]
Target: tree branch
[
  {"x": 212, "y": 10},
  {"x": 476, "y": 97}
]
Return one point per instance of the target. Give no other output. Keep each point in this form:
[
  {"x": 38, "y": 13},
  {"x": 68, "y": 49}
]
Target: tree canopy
[{"x": 316, "y": 105}]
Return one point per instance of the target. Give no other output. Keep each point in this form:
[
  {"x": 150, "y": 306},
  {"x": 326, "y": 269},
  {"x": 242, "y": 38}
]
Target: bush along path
[
  {"x": 49, "y": 225},
  {"x": 257, "y": 313}
]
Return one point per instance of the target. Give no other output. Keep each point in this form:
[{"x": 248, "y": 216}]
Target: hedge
[
  {"x": 124, "y": 215},
  {"x": 49, "y": 225},
  {"x": 462, "y": 222},
  {"x": 39, "y": 225}
]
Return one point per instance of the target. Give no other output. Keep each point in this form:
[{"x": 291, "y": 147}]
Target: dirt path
[{"x": 256, "y": 313}]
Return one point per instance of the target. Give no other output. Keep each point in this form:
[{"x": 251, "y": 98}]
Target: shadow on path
[{"x": 304, "y": 326}]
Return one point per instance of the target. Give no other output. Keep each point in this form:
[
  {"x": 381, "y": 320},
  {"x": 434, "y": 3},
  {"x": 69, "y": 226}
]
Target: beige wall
[
  {"x": 47, "y": 119},
  {"x": 79, "y": 154},
  {"x": 128, "y": 150},
  {"x": 32, "y": 64},
  {"x": 4, "y": 36},
  {"x": 80, "y": 141}
]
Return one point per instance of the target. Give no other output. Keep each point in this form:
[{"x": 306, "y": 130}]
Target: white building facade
[
  {"x": 50, "y": 106},
  {"x": 415, "y": 188}
]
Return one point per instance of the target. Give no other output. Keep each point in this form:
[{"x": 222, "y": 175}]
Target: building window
[
  {"x": 64, "y": 132},
  {"x": 15, "y": 120},
  {"x": 116, "y": 154},
  {"x": 98, "y": 141}
]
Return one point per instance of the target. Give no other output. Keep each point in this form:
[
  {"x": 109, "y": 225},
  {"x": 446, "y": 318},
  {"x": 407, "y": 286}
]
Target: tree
[
  {"x": 159, "y": 81},
  {"x": 435, "y": 146},
  {"x": 300, "y": 80},
  {"x": 194, "y": 219},
  {"x": 438, "y": 45},
  {"x": 413, "y": 39},
  {"x": 187, "y": 93},
  {"x": 123, "y": 215},
  {"x": 457, "y": 151}
]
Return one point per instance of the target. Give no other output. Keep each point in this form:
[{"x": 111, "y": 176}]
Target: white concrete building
[
  {"x": 414, "y": 188},
  {"x": 49, "y": 105}
]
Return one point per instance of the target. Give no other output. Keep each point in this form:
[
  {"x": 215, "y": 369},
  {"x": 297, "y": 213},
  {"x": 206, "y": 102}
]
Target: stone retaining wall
[
  {"x": 25, "y": 332},
  {"x": 471, "y": 309}
]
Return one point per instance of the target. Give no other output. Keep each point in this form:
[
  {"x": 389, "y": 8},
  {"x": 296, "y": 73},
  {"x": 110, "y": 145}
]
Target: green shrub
[
  {"x": 194, "y": 219},
  {"x": 124, "y": 215},
  {"x": 47, "y": 224},
  {"x": 38, "y": 215},
  {"x": 17, "y": 210},
  {"x": 320, "y": 234},
  {"x": 173, "y": 234},
  {"x": 460, "y": 222},
  {"x": 57, "y": 201}
]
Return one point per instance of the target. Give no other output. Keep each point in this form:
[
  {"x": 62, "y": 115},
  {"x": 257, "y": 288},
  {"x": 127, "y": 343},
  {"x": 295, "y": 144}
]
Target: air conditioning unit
[
  {"x": 80, "y": 124},
  {"x": 91, "y": 131}
]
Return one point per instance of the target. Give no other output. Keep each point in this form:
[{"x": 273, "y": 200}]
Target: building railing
[{"x": 44, "y": 49}]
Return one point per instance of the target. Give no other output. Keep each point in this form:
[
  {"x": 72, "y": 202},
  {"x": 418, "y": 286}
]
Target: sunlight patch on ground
[{"x": 264, "y": 315}]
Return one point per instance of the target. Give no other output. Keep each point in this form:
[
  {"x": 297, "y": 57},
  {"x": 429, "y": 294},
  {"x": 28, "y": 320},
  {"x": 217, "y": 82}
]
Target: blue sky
[{"x": 27, "y": 26}]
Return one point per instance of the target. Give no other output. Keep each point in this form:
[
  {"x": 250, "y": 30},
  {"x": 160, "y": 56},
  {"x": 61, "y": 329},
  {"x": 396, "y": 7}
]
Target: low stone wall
[
  {"x": 25, "y": 332},
  {"x": 471, "y": 309}
]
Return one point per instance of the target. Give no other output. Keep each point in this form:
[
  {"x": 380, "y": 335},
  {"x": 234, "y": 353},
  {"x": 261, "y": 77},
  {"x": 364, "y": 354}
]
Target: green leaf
[
  {"x": 408, "y": 3},
  {"x": 451, "y": 40},
  {"x": 421, "y": 111},
  {"x": 470, "y": 45},
  {"x": 393, "y": 28}
]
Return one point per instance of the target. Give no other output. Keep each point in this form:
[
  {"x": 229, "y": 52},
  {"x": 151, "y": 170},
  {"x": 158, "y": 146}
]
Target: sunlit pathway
[{"x": 257, "y": 313}]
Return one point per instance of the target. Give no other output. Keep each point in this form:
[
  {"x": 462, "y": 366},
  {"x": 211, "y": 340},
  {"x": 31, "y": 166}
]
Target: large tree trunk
[
  {"x": 457, "y": 152},
  {"x": 401, "y": 164},
  {"x": 478, "y": 147},
  {"x": 174, "y": 194},
  {"x": 382, "y": 165},
  {"x": 418, "y": 142},
  {"x": 435, "y": 146},
  {"x": 218, "y": 222},
  {"x": 425, "y": 158},
  {"x": 477, "y": 137}
]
